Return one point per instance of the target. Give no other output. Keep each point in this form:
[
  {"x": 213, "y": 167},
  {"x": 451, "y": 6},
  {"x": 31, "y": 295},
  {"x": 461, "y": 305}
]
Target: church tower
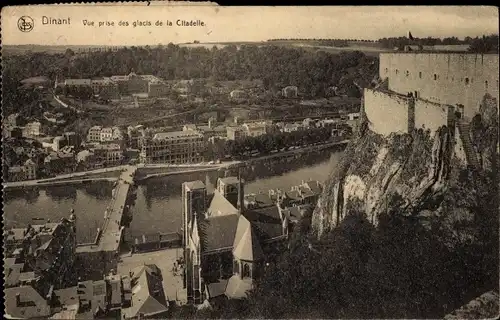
[{"x": 193, "y": 273}]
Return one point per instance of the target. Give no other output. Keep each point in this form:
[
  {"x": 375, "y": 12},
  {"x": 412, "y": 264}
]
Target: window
[
  {"x": 420, "y": 75},
  {"x": 467, "y": 81},
  {"x": 397, "y": 71},
  {"x": 407, "y": 73},
  {"x": 435, "y": 76},
  {"x": 486, "y": 84},
  {"x": 386, "y": 70},
  {"x": 246, "y": 270}
]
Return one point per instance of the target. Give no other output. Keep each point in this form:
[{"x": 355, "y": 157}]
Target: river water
[{"x": 158, "y": 204}]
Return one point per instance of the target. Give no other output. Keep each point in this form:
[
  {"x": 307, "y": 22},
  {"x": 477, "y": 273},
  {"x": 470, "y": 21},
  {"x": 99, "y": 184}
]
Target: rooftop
[
  {"x": 246, "y": 244},
  {"x": 176, "y": 134},
  {"x": 217, "y": 233},
  {"x": 267, "y": 222},
  {"x": 77, "y": 82},
  {"x": 229, "y": 180},
  {"x": 194, "y": 185},
  {"x": 237, "y": 288},
  {"x": 148, "y": 296},
  {"x": 220, "y": 206},
  {"x": 32, "y": 303}
]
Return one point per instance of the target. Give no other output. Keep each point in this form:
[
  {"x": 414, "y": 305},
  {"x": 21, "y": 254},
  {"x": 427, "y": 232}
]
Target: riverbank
[
  {"x": 145, "y": 172},
  {"x": 158, "y": 206}
]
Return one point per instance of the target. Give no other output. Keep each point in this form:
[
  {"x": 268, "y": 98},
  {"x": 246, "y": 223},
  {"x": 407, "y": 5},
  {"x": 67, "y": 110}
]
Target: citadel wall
[
  {"x": 386, "y": 112},
  {"x": 447, "y": 78},
  {"x": 431, "y": 116},
  {"x": 389, "y": 112}
]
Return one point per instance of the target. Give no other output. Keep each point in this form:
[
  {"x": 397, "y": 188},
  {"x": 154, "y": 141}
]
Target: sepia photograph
[{"x": 174, "y": 160}]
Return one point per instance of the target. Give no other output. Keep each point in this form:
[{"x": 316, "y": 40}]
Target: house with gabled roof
[{"x": 148, "y": 297}]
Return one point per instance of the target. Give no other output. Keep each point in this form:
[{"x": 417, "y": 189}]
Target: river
[{"x": 158, "y": 204}]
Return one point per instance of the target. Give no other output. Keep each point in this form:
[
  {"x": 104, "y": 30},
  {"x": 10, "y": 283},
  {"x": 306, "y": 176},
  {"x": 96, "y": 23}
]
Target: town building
[
  {"x": 328, "y": 123},
  {"x": 94, "y": 134},
  {"x": 226, "y": 244},
  {"x": 290, "y": 92},
  {"x": 238, "y": 94},
  {"x": 148, "y": 299},
  {"x": 110, "y": 154},
  {"x": 291, "y": 127},
  {"x": 32, "y": 129},
  {"x": 208, "y": 131},
  {"x": 134, "y": 134},
  {"x": 235, "y": 133},
  {"x": 27, "y": 171},
  {"x": 13, "y": 120},
  {"x": 157, "y": 87},
  {"x": 353, "y": 116},
  {"x": 12, "y": 132},
  {"x": 87, "y": 160},
  {"x": 105, "y": 88},
  {"x": 178, "y": 147},
  {"x": 104, "y": 134},
  {"x": 122, "y": 82},
  {"x": 57, "y": 118},
  {"x": 58, "y": 143},
  {"x": 137, "y": 295},
  {"x": 60, "y": 162},
  {"x": 136, "y": 84},
  {"x": 307, "y": 192},
  {"x": 72, "y": 139},
  {"x": 255, "y": 129},
  {"x": 297, "y": 215},
  {"x": 40, "y": 253},
  {"x": 77, "y": 87}
]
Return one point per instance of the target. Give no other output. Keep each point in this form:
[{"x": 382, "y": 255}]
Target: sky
[{"x": 226, "y": 24}]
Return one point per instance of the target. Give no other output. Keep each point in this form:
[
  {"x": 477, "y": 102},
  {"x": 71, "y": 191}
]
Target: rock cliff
[{"x": 404, "y": 173}]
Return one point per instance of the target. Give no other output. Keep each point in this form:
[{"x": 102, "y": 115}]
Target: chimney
[
  {"x": 210, "y": 123},
  {"x": 18, "y": 299}
]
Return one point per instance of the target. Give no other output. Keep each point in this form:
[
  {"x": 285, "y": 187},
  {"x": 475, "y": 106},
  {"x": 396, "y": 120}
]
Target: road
[
  {"x": 298, "y": 151},
  {"x": 64, "y": 178}
]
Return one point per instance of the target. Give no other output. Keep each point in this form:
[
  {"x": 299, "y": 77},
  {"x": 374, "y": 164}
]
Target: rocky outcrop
[
  {"x": 483, "y": 307},
  {"x": 413, "y": 168}
]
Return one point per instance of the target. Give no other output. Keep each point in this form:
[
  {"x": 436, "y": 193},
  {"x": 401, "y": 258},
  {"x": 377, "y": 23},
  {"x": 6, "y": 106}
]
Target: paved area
[{"x": 164, "y": 259}]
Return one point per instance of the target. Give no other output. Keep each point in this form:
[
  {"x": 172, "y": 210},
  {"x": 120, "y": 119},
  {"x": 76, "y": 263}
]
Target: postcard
[{"x": 191, "y": 160}]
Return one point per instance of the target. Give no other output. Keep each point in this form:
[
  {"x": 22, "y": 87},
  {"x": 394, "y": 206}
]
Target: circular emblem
[{"x": 25, "y": 24}]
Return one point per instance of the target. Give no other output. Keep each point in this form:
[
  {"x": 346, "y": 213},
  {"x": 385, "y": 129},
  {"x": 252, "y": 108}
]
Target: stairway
[{"x": 470, "y": 153}]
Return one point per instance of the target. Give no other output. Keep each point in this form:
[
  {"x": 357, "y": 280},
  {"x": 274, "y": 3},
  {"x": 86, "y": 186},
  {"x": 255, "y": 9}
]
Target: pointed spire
[{"x": 194, "y": 229}]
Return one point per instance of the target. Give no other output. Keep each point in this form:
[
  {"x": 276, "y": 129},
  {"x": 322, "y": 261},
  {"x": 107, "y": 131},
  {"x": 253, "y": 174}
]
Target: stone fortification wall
[
  {"x": 386, "y": 112},
  {"x": 432, "y": 116},
  {"x": 447, "y": 78}
]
